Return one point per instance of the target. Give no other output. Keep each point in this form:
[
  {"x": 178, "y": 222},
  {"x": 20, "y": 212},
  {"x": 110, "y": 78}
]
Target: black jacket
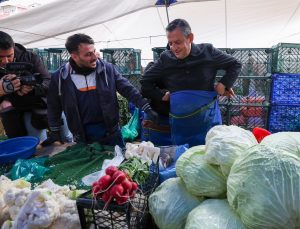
[
  {"x": 62, "y": 97},
  {"x": 196, "y": 72},
  {"x": 37, "y": 98}
]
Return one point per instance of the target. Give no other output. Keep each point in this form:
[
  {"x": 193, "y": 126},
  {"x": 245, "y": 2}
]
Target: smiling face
[
  {"x": 6, "y": 56},
  {"x": 85, "y": 56},
  {"x": 180, "y": 44}
]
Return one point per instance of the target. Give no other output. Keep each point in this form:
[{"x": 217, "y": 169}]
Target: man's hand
[
  {"x": 229, "y": 93},
  {"x": 54, "y": 136},
  {"x": 166, "y": 97},
  {"x": 5, "y": 106},
  {"x": 24, "y": 90},
  {"x": 9, "y": 84},
  {"x": 152, "y": 115},
  {"x": 220, "y": 88}
]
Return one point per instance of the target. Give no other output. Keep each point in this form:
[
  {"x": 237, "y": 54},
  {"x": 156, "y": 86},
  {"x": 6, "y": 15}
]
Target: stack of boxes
[{"x": 285, "y": 99}]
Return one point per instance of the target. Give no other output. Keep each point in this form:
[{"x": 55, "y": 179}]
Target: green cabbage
[
  {"x": 200, "y": 178},
  {"x": 264, "y": 188},
  {"x": 286, "y": 141},
  {"x": 213, "y": 214},
  {"x": 170, "y": 204},
  {"x": 225, "y": 143}
]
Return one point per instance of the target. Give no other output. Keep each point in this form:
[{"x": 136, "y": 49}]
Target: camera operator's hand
[
  {"x": 24, "y": 90},
  {"x": 9, "y": 84}
]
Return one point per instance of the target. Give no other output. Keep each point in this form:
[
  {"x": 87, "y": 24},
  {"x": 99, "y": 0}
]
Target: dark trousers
[{"x": 13, "y": 123}]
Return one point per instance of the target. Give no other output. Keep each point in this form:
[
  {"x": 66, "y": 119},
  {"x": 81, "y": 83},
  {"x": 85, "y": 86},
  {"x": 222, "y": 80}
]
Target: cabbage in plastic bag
[
  {"x": 225, "y": 143},
  {"x": 264, "y": 188},
  {"x": 213, "y": 214},
  {"x": 170, "y": 204},
  {"x": 200, "y": 178},
  {"x": 286, "y": 141}
]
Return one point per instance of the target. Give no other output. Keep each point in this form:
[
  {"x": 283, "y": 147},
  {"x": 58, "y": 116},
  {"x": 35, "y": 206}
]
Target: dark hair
[
  {"x": 6, "y": 42},
  {"x": 75, "y": 40},
  {"x": 182, "y": 24}
]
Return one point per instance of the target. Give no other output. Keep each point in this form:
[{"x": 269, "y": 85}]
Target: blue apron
[
  {"x": 160, "y": 136},
  {"x": 98, "y": 133},
  {"x": 192, "y": 114}
]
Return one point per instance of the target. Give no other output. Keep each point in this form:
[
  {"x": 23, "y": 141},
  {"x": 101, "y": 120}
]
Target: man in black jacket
[
  {"x": 188, "y": 71},
  {"x": 23, "y": 108}
]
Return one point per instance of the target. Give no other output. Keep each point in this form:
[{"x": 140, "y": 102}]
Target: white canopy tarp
[{"x": 140, "y": 24}]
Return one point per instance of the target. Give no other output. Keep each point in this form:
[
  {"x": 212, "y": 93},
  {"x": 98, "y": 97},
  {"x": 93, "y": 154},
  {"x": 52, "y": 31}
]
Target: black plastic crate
[
  {"x": 284, "y": 118},
  {"x": 133, "y": 215},
  {"x": 245, "y": 115},
  {"x": 286, "y": 58},
  {"x": 249, "y": 89},
  {"x": 285, "y": 89},
  {"x": 255, "y": 61},
  {"x": 126, "y": 60}
]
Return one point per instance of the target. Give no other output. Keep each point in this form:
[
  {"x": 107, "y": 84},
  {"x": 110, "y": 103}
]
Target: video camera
[{"x": 23, "y": 72}]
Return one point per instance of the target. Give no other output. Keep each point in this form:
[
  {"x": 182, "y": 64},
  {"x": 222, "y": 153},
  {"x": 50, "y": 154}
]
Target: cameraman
[{"x": 23, "y": 108}]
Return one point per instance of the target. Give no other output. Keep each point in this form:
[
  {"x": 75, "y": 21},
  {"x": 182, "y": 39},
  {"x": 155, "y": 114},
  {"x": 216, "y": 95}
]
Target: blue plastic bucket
[{"x": 17, "y": 148}]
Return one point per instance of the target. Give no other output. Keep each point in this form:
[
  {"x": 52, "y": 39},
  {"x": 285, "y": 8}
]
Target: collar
[{"x": 195, "y": 50}]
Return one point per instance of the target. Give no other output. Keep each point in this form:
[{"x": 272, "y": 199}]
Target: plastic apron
[
  {"x": 158, "y": 134},
  {"x": 192, "y": 114}
]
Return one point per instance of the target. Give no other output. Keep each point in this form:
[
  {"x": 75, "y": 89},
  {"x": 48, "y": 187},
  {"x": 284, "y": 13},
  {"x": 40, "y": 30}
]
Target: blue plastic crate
[
  {"x": 285, "y": 89},
  {"x": 284, "y": 118}
]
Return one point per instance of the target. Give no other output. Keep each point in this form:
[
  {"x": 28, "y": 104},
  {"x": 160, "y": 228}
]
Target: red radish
[
  {"x": 106, "y": 197},
  {"x": 95, "y": 184},
  {"x": 132, "y": 194},
  {"x": 111, "y": 170},
  {"x": 118, "y": 177},
  {"x": 134, "y": 186},
  {"x": 117, "y": 190},
  {"x": 127, "y": 185},
  {"x": 96, "y": 190},
  {"x": 104, "y": 182},
  {"x": 122, "y": 200}
]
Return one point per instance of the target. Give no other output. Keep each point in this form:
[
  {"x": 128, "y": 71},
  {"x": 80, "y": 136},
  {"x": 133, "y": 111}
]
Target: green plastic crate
[
  {"x": 127, "y": 60},
  {"x": 157, "y": 51},
  {"x": 53, "y": 58},
  {"x": 286, "y": 58},
  {"x": 255, "y": 61}
]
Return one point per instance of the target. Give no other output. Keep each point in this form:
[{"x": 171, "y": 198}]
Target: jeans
[{"x": 42, "y": 133}]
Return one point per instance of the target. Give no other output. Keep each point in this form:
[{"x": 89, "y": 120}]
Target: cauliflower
[
  {"x": 15, "y": 198},
  {"x": 68, "y": 218},
  {"x": 5, "y": 184},
  {"x": 4, "y": 215},
  {"x": 8, "y": 224},
  {"x": 50, "y": 185},
  {"x": 146, "y": 151},
  {"x": 39, "y": 211}
]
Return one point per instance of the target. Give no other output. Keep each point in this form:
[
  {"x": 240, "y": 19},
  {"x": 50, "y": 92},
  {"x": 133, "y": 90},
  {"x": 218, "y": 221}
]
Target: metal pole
[{"x": 166, "y": 4}]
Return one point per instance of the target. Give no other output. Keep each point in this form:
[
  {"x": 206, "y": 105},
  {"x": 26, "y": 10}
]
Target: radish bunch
[{"x": 115, "y": 185}]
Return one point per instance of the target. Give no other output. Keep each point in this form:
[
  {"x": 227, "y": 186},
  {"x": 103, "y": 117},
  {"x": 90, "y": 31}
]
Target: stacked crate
[
  {"x": 53, "y": 58},
  {"x": 250, "y": 107},
  {"x": 285, "y": 99},
  {"x": 127, "y": 62}
]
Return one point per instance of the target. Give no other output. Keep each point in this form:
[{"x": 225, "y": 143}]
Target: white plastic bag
[{"x": 116, "y": 161}]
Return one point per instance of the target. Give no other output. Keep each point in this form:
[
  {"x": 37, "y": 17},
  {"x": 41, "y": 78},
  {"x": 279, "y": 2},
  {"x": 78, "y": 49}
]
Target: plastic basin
[{"x": 17, "y": 148}]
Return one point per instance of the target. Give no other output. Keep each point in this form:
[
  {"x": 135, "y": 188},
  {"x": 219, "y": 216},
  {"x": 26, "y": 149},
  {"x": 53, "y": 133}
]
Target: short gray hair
[{"x": 182, "y": 24}]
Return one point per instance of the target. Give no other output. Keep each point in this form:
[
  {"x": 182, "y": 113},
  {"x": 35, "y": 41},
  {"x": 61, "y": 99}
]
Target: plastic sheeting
[{"x": 141, "y": 24}]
